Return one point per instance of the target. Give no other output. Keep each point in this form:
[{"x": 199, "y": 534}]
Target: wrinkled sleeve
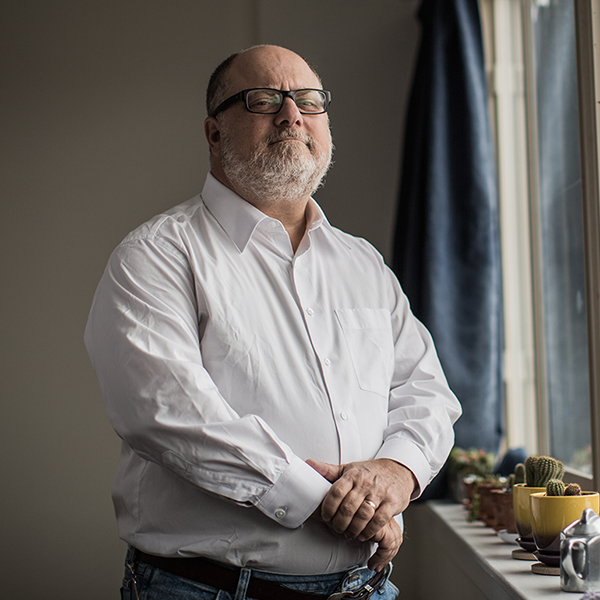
[
  {"x": 422, "y": 407},
  {"x": 143, "y": 340}
]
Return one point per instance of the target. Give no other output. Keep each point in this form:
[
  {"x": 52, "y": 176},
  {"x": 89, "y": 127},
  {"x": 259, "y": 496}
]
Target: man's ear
[{"x": 212, "y": 131}]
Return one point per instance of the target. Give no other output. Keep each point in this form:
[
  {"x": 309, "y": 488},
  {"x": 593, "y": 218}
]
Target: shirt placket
[{"x": 320, "y": 323}]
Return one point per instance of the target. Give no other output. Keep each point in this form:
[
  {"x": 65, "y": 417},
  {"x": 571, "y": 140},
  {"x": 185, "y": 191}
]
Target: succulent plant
[
  {"x": 573, "y": 489},
  {"x": 473, "y": 460},
  {"x": 520, "y": 473},
  {"x": 529, "y": 472},
  {"x": 541, "y": 469},
  {"x": 555, "y": 487}
]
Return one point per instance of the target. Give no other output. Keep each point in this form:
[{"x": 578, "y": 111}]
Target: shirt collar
[{"x": 239, "y": 218}]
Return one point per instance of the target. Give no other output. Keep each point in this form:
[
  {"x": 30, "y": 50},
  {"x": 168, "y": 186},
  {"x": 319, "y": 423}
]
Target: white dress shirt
[{"x": 226, "y": 361}]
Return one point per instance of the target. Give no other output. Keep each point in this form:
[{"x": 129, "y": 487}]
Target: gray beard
[{"x": 276, "y": 173}]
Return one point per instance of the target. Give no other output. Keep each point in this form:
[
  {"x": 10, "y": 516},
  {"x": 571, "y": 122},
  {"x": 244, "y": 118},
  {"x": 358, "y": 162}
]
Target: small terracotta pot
[
  {"x": 504, "y": 511},
  {"x": 487, "y": 514}
]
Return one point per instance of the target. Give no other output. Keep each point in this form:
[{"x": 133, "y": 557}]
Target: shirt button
[
  {"x": 327, "y": 362},
  {"x": 272, "y": 224},
  {"x": 310, "y": 311},
  {"x": 280, "y": 513},
  {"x": 343, "y": 415}
]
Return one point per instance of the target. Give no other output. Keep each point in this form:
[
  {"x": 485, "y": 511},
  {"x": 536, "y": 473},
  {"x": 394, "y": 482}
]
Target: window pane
[{"x": 562, "y": 232}]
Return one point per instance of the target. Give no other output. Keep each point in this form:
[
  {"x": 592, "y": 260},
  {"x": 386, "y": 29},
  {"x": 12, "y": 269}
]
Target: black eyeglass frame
[{"x": 285, "y": 94}]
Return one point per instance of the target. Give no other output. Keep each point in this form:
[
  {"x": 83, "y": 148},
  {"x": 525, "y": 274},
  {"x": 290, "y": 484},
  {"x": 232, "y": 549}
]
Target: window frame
[{"x": 587, "y": 35}]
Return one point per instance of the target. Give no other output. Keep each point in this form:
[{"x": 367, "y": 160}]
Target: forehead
[{"x": 271, "y": 67}]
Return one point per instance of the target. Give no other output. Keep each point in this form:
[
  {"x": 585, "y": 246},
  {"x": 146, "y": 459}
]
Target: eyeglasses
[{"x": 266, "y": 101}]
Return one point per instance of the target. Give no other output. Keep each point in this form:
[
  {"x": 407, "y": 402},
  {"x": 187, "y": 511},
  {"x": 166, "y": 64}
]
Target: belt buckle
[{"x": 367, "y": 589}]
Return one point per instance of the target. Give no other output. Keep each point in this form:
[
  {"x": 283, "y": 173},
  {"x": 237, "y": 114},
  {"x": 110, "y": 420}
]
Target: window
[
  {"x": 536, "y": 53},
  {"x": 558, "y": 230}
]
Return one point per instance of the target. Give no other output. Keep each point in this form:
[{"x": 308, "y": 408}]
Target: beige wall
[{"x": 101, "y": 108}]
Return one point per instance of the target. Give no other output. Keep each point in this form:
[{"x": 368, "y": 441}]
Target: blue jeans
[{"x": 156, "y": 584}]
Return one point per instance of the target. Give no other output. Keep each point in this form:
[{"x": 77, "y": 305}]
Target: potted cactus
[
  {"x": 467, "y": 468},
  {"x": 504, "y": 522},
  {"x": 557, "y": 487},
  {"x": 484, "y": 505},
  {"x": 553, "y": 510},
  {"x": 538, "y": 471}
]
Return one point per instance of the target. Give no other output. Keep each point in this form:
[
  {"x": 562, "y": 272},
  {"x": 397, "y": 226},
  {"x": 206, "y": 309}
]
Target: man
[{"x": 279, "y": 405}]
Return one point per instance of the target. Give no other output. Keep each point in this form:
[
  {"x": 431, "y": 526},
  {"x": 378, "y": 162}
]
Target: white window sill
[{"x": 444, "y": 556}]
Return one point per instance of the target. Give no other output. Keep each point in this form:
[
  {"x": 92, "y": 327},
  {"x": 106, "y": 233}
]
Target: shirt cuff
[
  {"x": 410, "y": 455},
  {"x": 295, "y": 495}
]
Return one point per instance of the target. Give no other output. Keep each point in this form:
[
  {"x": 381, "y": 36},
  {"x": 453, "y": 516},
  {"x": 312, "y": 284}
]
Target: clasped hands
[{"x": 363, "y": 500}]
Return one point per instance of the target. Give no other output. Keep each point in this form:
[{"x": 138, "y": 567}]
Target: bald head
[{"x": 252, "y": 65}]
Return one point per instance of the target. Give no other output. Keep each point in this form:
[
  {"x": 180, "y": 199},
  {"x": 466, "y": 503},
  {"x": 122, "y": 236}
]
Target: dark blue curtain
[{"x": 446, "y": 248}]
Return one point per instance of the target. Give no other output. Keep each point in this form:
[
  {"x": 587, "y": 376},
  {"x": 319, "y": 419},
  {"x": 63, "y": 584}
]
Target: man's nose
[{"x": 289, "y": 114}]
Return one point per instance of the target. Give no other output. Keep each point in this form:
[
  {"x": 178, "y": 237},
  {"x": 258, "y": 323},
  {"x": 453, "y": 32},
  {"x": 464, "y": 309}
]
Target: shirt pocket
[{"x": 368, "y": 335}]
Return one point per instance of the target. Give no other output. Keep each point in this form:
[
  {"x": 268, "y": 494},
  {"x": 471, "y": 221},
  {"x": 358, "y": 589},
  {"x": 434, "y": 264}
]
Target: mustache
[{"x": 289, "y": 134}]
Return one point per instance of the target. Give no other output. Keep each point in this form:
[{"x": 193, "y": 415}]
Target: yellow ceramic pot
[
  {"x": 551, "y": 514},
  {"x": 521, "y": 494}
]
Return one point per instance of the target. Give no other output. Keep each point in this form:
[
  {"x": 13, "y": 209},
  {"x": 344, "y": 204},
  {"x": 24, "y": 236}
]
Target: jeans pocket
[
  {"x": 388, "y": 592},
  {"x": 132, "y": 574}
]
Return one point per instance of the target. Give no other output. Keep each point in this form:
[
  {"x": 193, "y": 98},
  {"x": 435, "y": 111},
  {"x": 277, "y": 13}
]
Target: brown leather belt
[{"x": 203, "y": 571}]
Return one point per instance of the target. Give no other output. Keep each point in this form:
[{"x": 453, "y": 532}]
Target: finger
[
  {"x": 381, "y": 517},
  {"x": 344, "y": 497},
  {"x": 381, "y": 558},
  {"x": 361, "y": 520},
  {"x": 327, "y": 470},
  {"x": 389, "y": 542},
  {"x": 340, "y": 504}
]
